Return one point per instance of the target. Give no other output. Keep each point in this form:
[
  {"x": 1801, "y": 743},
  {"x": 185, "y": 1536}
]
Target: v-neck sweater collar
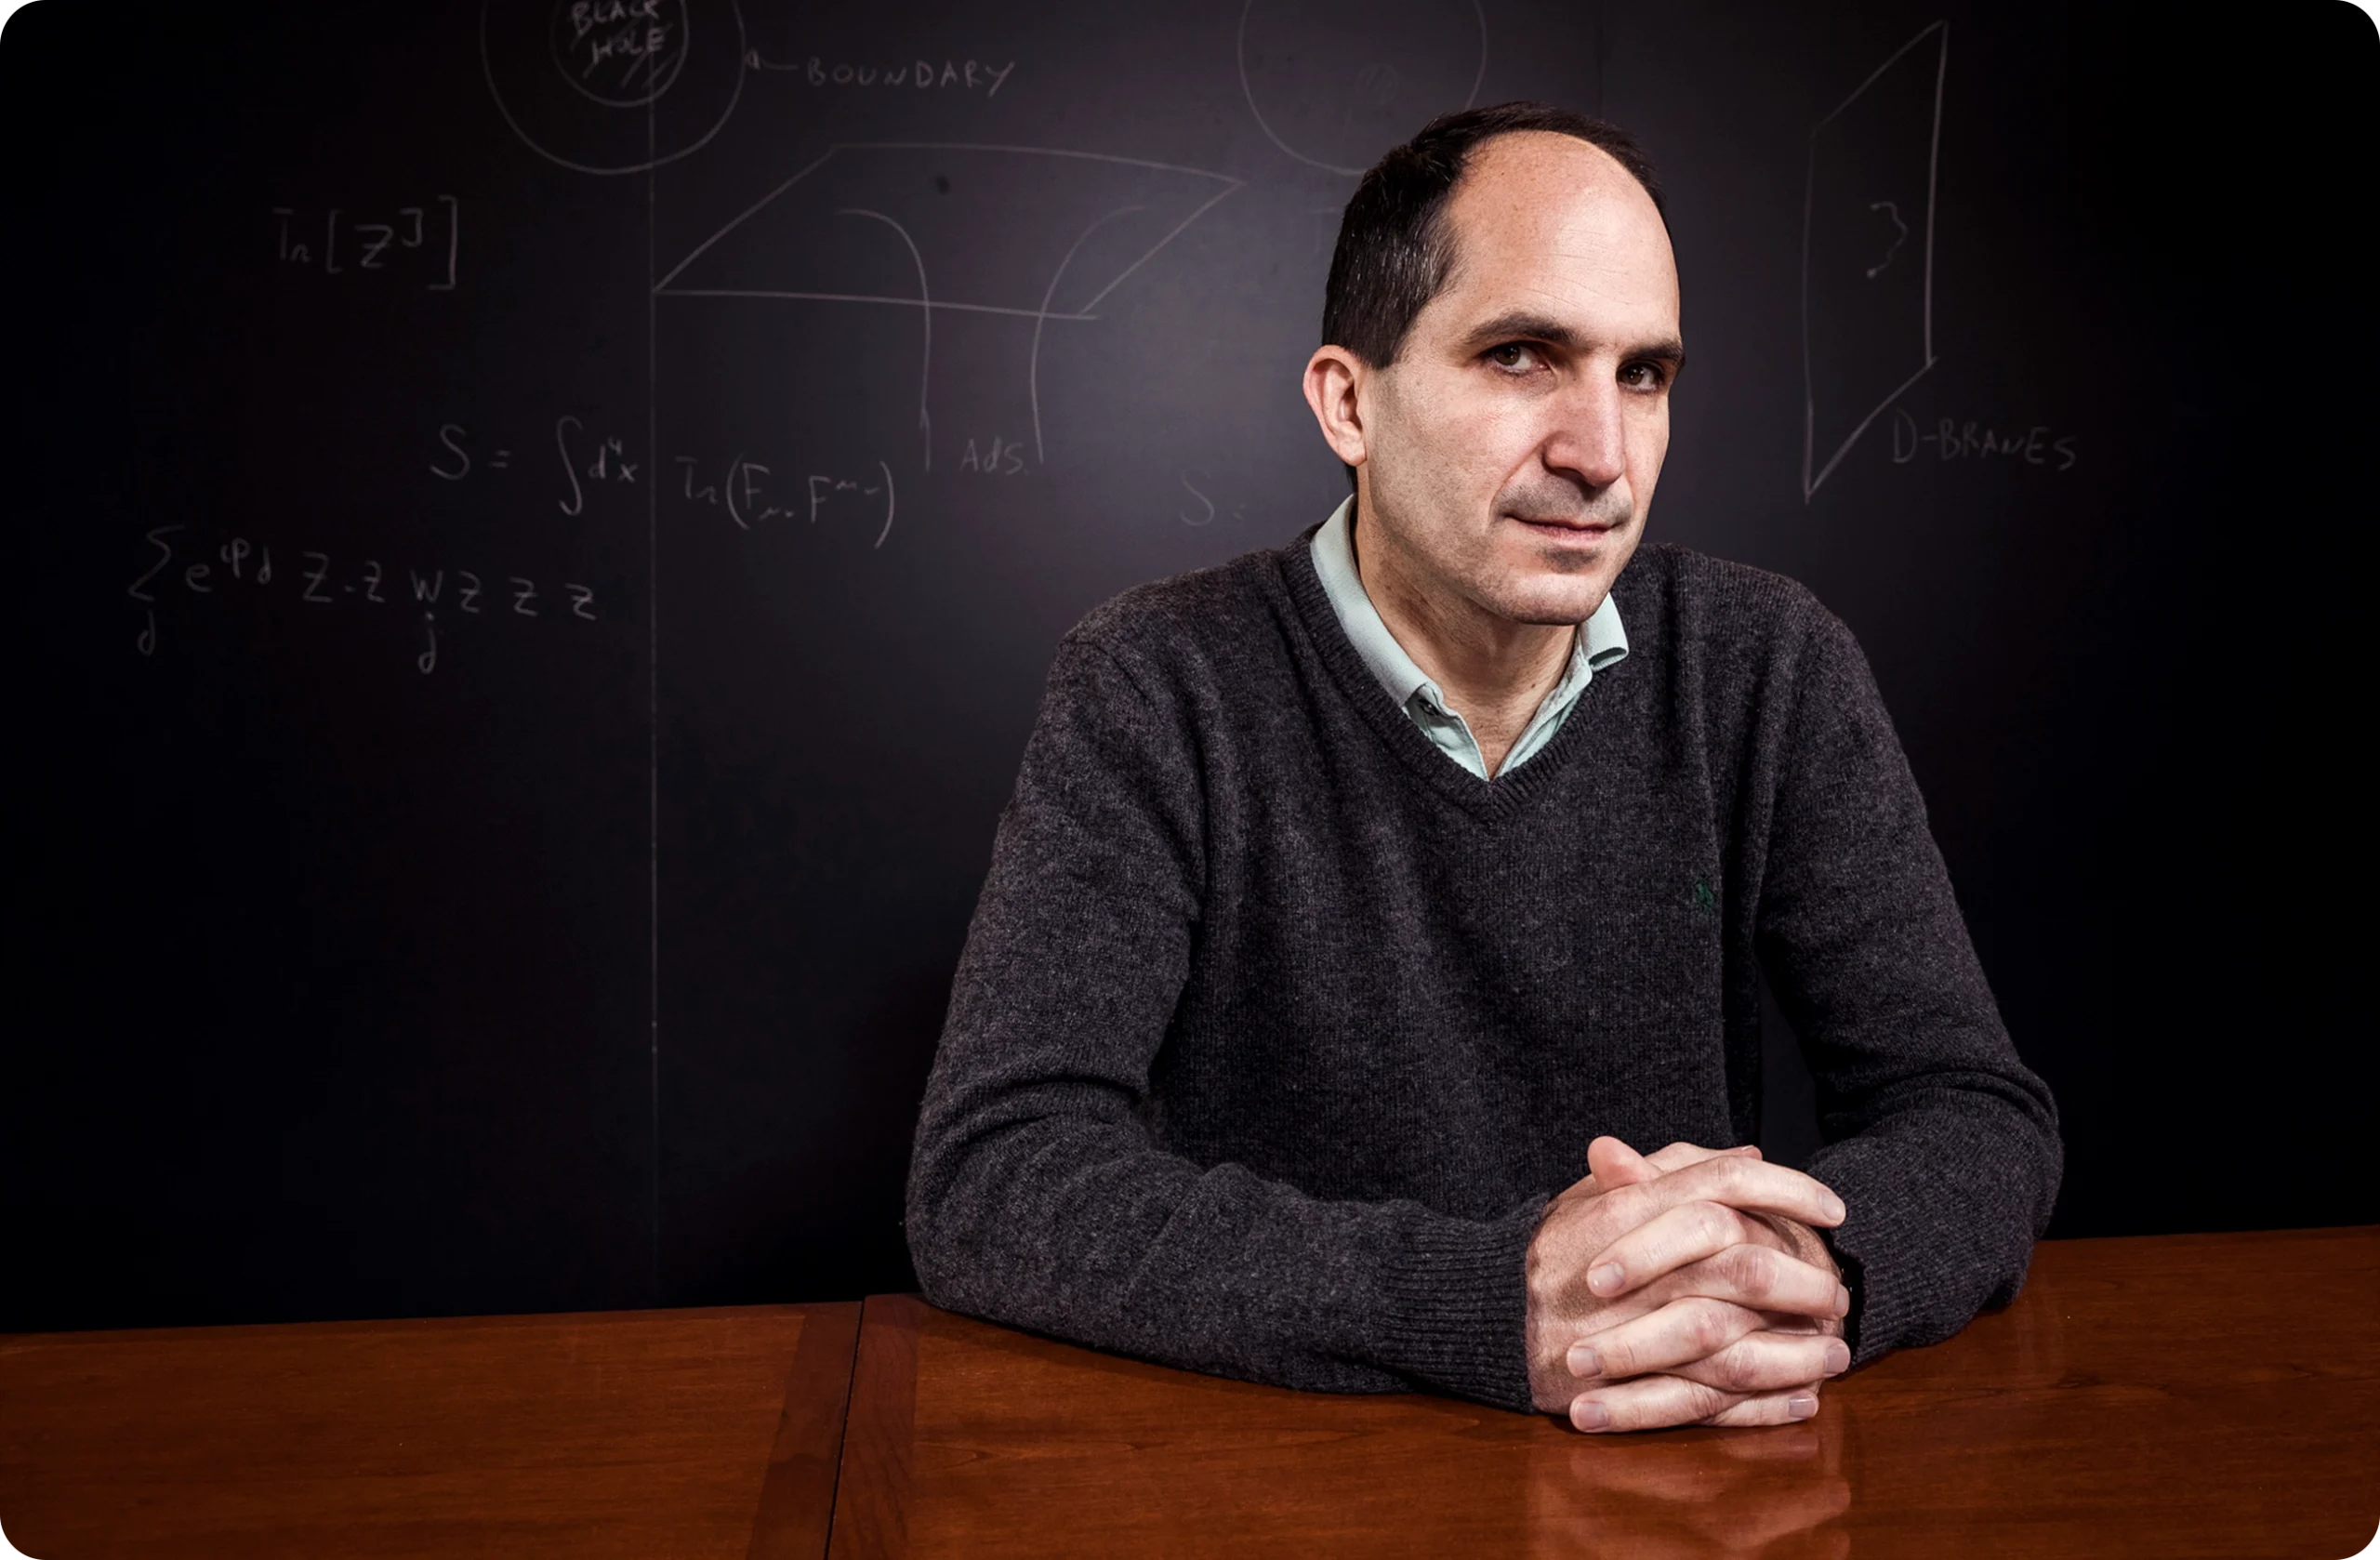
[{"x": 1505, "y": 797}]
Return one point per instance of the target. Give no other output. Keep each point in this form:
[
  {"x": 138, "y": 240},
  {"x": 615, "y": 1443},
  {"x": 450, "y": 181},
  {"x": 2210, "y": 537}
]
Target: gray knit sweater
[{"x": 1276, "y": 1030}]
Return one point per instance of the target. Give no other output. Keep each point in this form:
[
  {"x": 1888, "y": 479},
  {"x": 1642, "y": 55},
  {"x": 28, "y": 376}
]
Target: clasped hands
[{"x": 1686, "y": 1286}]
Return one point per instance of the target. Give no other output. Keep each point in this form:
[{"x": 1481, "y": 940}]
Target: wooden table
[
  {"x": 2183, "y": 1396},
  {"x": 627, "y": 1434}
]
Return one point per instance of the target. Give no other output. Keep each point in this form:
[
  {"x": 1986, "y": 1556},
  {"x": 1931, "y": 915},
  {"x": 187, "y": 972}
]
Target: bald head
[
  {"x": 1537, "y": 193},
  {"x": 1395, "y": 248}
]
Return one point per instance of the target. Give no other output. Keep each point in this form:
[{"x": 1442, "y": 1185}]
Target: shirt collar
[{"x": 1601, "y": 640}]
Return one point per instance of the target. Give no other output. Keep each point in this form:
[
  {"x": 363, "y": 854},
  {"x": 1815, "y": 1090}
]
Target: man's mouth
[{"x": 1580, "y": 525}]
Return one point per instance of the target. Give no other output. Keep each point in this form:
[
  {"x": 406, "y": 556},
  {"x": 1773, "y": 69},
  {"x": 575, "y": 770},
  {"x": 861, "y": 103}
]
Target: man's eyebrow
[
  {"x": 1521, "y": 325},
  {"x": 1670, "y": 353}
]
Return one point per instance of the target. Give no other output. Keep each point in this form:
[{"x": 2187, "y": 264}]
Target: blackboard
[{"x": 537, "y": 528}]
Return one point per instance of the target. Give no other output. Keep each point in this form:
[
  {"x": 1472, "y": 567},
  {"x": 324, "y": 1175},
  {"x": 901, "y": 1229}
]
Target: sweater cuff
[
  {"x": 1455, "y": 1306},
  {"x": 1894, "y": 1305}
]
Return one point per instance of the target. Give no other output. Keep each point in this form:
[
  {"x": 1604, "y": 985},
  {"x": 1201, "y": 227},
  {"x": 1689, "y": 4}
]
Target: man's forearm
[
  {"x": 1026, "y": 1208},
  {"x": 1943, "y": 1216},
  {"x": 1038, "y": 1194},
  {"x": 1942, "y": 1143}
]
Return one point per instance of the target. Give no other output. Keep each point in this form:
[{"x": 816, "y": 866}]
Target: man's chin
[
  {"x": 1563, "y": 583},
  {"x": 1534, "y": 593},
  {"x": 1560, "y": 602}
]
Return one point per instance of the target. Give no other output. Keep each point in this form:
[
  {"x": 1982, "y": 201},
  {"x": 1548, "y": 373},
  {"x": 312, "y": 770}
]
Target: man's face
[{"x": 1510, "y": 451}]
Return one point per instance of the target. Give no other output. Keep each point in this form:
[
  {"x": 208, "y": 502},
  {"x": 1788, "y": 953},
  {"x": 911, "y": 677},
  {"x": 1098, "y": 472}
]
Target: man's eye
[
  {"x": 1514, "y": 355},
  {"x": 1642, "y": 375}
]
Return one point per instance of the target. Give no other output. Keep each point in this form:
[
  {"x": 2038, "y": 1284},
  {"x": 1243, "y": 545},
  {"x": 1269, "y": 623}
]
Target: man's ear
[{"x": 1333, "y": 377}]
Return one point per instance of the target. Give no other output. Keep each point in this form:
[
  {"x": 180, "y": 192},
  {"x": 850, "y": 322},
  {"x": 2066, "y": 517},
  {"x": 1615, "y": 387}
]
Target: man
[{"x": 1356, "y": 896}]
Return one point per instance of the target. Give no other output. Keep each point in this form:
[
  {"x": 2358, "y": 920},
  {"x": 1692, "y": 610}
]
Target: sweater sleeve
[
  {"x": 1943, "y": 1144},
  {"x": 1038, "y": 1196}
]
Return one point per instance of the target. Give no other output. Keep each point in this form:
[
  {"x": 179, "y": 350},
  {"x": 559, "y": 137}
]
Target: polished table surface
[
  {"x": 2181, "y": 1395},
  {"x": 627, "y": 1433}
]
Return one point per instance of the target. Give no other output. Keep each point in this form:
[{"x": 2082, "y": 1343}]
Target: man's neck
[{"x": 1494, "y": 672}]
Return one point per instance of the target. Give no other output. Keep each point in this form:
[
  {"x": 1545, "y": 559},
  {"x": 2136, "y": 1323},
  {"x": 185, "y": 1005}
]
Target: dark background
[{"x": 598, "y": 961}]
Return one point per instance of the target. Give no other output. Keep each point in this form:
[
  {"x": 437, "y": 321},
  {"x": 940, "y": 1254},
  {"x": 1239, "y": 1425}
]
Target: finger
[
  {"x": 1764, "y": 1362},
  {"x": 1734, "y": 1180},
  {"x": 1758, "y": 1276},
  {"x": 1682, "y": 1332},
  {"x": 1678, "y": 1155},
  {"x": 1790, "y": 1406},
  {"x": 1648, "y": 1403},
  {"x": 1612, "y": 1164},
  {"x": 1669, "y": 1240}
]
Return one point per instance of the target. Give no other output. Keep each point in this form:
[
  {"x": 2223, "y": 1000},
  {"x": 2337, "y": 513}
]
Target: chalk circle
[
  {"x": 622, "y": 53},
  {"x": 611, "y": 87},
  {"x": 1336, "y": 83}
]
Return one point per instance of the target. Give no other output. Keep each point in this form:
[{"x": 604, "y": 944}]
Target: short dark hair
[{"x": 1395, "y": 253}]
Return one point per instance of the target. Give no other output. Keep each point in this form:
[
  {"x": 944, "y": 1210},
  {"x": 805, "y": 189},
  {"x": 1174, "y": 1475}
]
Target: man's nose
[{"x": 1588, "y": 438}]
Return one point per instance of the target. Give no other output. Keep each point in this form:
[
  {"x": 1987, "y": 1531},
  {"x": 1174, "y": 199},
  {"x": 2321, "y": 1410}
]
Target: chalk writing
[
  {"x": 585, "y": 458},
  {"x": 1201, "y": 509},
  {"x": 184, "y": 568},
  {"x": 999, "y": 457},
  {"x": 454, "y": 461},
  {"x": 1955, "y": 439},
  {"x": 916, "y": 75},
  {"x": 423, "y": 242},
  {"x": 610, "y": 463},
  {"x": 1900, "y": 236},
  {"x": 647, "y": 80},
  {"x": 623, "y": 53},
  {"x": 1867, "y": 200},
  {"x": 750, "y": 493},
  {"x": 825, "y": 489}
]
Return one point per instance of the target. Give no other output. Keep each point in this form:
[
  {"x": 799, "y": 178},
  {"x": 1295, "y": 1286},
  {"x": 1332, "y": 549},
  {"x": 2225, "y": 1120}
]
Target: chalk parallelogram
[{"x": 1867, "y": 251}]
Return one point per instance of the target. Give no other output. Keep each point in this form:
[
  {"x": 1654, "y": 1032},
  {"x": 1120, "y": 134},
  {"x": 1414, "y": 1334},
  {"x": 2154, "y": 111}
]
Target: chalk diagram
[
  {"x": 612, "y": 87},
  {"x": 1027, "y": 235},
  {"x": 1867, "y": 251},
  {"x": 1336, "y": 83}
]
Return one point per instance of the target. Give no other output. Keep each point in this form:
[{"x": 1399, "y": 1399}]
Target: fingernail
[
  {"x": 1606, "y": 1278},
  {"x": 1587, "y": 1414},
  {"x": 1838, "y": 1357},
  {"x": 1802, "y": 1407},
  {"x": 1834, "y": 1208},
  {"x": 1842, "y": 1300},
  {"x": 1584, "y": 1361}
]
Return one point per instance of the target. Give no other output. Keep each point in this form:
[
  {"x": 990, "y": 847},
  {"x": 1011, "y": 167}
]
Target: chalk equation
[
  {"x": 1952, "y": 439},
  {"x": 424, "y": 242},
  {"x": 182, "y": 567},
  {"x": 586, "y": 459},
  {"x": 751, "y": 492}
]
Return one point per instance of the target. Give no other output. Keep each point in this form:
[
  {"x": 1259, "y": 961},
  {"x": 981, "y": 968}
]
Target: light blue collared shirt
[{"x": 1601, "y": 641}]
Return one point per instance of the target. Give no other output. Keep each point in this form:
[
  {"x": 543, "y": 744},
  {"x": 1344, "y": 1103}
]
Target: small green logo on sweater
[{"x": 1705, "y": 900}]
